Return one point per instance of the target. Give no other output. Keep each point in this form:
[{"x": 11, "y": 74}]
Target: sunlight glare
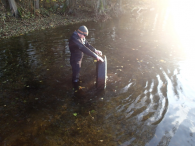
[{"x": 183, "y": 13}]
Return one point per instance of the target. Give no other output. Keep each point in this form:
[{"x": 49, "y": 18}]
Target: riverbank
[
  {"x": 12, "y": 27},
  {"x": 15, "y": 27}
]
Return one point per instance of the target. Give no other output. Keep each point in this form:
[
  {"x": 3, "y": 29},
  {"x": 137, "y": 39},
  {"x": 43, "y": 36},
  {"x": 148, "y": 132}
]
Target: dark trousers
[{"x": 76, "y": 66}]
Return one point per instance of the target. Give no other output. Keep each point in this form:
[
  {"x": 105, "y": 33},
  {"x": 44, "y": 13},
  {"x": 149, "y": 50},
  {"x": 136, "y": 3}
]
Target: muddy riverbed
[{"x": 149, "y": 99}]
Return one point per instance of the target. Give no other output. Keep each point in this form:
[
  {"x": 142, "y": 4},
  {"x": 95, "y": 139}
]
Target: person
[{"x": 79, "y": 46}]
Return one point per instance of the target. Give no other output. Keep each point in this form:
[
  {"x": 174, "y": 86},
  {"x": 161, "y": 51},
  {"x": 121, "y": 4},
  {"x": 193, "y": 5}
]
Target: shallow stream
[{"x": 150, "y": 94}]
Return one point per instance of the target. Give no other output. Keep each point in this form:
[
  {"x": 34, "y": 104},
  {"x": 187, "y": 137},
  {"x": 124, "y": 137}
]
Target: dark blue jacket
[{"x": 77, "y": 48}]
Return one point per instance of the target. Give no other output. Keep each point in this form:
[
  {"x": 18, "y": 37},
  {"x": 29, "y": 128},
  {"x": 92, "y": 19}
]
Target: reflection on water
[
  {"x": 149, "y": 98},
  {"x": 184, "y": 21}
]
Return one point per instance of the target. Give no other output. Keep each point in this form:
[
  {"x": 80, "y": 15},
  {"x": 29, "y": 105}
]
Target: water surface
[{"x": 149, "y": 99}]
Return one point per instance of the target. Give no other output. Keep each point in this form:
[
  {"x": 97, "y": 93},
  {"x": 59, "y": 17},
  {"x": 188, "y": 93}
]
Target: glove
[
  {"x": 98, "y": 52},
  {"x": 100, "y": 59}
]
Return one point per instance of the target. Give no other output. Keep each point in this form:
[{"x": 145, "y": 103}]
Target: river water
[{"x": 150, "y": 94}]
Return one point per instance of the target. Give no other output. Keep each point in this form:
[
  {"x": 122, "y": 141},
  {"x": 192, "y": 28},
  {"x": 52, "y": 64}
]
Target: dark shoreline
[
  {"x": 16, "y": 27},
  {"x": 13, "y": 27}
]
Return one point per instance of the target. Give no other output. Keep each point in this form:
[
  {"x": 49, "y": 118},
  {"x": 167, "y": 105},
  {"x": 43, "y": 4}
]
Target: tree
[
  {"x": 5, "y": 4},
  {"x": 99, "y": 6},
  {"x": 71, "y": 4},
  {"x": 36, "y": 4},
  {"x": 120, "y": 4},
  {"x": 13, "y": 7}
]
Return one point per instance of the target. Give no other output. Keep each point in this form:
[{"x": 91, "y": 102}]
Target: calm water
[{"x": 150, "y": 94}]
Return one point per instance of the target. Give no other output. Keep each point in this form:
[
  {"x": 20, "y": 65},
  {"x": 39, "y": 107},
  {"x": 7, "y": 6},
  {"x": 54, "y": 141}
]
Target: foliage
[
  {"x": 27, "y": 7},
  {"x": 44, "y": 12},
  {"x": 23, "y": 13}
]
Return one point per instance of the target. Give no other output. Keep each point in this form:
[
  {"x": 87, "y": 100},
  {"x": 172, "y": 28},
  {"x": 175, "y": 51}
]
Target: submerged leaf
[
  {"x": 92, "y": 111},
  {"x": 163, "y": 61}
]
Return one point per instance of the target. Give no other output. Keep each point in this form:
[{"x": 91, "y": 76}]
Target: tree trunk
[
  {"x": 102, "y": 7},
  {"x": 36, "y": 4},
  {"x": 120, "y": 5},
  {"x": 71, "y": 6},
  {"x": 29, "y": 6},
  {"x": 13, "y": 8},
  {"x": 96, "y": 6},
  {"x": 104, "y": 3},
  {"x": 84, "y": 2},
  {"x": 5, "y": 4}
]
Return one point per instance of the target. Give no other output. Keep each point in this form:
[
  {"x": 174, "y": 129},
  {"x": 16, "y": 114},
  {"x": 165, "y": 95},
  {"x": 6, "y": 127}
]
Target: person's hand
[
  {"x": 100, "y": 58},
  {"x": 98, "y": 52}
]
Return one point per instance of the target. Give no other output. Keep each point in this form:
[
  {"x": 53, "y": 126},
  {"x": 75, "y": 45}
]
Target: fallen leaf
[
  {"x": 162, "y": 61},
  {"x": 120, "y": 142},
  {"x": 92, "y": 111}
]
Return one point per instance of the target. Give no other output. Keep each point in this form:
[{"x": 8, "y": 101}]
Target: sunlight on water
[
  {"x": 184, "y": 21},
  {"x": 179, "y": 119}
]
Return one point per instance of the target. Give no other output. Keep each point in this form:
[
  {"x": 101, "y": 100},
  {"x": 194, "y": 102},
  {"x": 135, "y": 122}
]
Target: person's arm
[
  {"x": 84, "y": 48},
  {"x": 89, "y": 46},
  {"x": 92, "y": 48}
]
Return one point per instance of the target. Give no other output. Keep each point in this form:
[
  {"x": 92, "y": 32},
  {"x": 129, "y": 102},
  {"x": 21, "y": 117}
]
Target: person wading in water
[{"x": 79, "y": 46}]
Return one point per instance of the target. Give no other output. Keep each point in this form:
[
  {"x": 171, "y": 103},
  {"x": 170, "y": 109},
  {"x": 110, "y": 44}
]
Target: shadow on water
[{"x": 39, "y": 107}]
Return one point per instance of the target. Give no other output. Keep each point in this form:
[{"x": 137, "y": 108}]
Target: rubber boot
[
  {"x": 78, "y": 92},
  {"x": 76, "y": 86}
]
